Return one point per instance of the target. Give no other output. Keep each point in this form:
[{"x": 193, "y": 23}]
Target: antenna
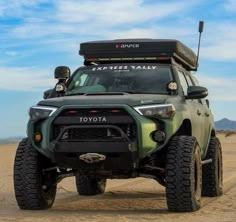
[{"x": 200, "y": 30}]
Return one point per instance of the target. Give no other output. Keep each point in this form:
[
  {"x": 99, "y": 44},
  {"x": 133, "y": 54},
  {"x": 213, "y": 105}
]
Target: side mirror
[
  {"x": 196, "y": 92},
  {"x": 62, "y": 72}
]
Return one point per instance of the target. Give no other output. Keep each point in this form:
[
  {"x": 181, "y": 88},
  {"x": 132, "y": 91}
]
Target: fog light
[
  {"x": 158, "y": 136},
  {"x": 37, "y": 137}
]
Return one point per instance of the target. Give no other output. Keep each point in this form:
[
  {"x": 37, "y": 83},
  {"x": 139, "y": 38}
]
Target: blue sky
[{"x": 36, "y": 36}]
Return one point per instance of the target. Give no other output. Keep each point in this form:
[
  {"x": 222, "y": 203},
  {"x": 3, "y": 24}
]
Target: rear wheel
[
  {"x": 89, "y": 186},
  {"x": 183, "y": 174},
  {"x": 35, "y": 189},
  {"x": 212, "y": 173}
]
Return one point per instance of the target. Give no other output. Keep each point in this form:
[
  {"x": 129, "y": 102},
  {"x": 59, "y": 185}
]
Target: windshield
[{"x": 135, "y": 78}]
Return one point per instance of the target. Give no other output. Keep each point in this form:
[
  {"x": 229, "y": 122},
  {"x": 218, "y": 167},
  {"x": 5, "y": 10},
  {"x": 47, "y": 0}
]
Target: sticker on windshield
[{"x": 124, "y": 67}]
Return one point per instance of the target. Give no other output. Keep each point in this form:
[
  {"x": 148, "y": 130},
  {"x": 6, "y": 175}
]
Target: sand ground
[{"x": 124, "y": 200}]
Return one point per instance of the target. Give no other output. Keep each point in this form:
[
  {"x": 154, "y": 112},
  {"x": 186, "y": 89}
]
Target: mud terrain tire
[
  {"x": 183, "y": 174},
  {"x": 28, "y": 179},
  {"x": 87, "y": 186},
  {"x": 212, "y": 173}
]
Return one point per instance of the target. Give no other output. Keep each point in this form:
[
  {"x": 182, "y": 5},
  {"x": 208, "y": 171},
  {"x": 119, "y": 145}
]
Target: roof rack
[{"x": 129, "y": 50}]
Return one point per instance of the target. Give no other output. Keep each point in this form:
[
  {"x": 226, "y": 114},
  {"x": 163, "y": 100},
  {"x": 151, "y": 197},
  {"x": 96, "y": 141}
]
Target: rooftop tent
[{"x": 138, "y": 49}]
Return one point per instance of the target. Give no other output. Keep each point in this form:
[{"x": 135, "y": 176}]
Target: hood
[{"x": 127, "y": 99}]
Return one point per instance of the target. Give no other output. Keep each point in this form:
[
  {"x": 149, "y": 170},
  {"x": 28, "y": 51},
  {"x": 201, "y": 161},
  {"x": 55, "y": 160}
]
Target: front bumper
[
  {"x": 118, "y": 156},
  {"x": 130, "y": 150}
]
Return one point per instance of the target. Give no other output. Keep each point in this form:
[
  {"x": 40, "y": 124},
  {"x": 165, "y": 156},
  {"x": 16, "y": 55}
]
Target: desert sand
[{"x": 124, "y": 200}]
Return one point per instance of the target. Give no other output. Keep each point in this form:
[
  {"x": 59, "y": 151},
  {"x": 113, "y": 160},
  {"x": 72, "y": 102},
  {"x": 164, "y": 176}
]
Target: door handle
[{"x": 198, "y": 112}]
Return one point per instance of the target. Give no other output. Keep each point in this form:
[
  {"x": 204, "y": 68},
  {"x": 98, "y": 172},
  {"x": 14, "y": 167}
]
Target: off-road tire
[
  {"x": 183, "y": 174},
  {"x": 88, "y": 186},
  {"x": 28, "y": 179},
  {"x": 212, "y": 173}
]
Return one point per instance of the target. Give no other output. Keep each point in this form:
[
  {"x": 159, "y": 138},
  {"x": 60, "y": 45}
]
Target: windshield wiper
[
  {"x": 97, "y": 93},
  {"x": 74, "y": 94},
  {"x": 105, "y": 93},
  {"x": 113, "y": 93},
  {"x": 142, "y": 92}
]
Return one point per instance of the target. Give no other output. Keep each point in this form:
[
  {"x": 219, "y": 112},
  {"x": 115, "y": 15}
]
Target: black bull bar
[{"x": 120, "y": 153}]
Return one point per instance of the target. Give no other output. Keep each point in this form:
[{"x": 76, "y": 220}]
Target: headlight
[
  {"x": 41, "y": 112},
  {"x": 161, "y": 111}
]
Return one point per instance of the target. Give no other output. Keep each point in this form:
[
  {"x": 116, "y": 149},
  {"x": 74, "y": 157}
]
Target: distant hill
[
  {"x": 225, "y": 124},
  {"x": 10, "y": 140}
]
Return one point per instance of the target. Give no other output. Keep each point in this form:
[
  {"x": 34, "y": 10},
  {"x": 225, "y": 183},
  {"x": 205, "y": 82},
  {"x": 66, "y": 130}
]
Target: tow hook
[{"x": 92, "y": 157}]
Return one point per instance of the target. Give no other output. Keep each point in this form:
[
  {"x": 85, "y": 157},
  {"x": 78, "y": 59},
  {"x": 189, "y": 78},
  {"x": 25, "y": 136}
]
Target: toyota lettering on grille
[{"x": 93, "y": 119}]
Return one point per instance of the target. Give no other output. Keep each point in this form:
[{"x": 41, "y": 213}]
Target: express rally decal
[{"x": 125, "y": 67}]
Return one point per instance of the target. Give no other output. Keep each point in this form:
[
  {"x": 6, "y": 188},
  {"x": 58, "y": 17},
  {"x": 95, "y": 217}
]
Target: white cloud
[
  {"x": 230, "y": 5},
  {"x": 159, "y": 31},
  {"x": 15, "y": 8},
  {"x": 95, "y": 18},
  {"x": 219, "y": 88},
  {"x": 218, "y": 42},
  {"x": 33, "y": 30},
  {"x": 113, "y": 12},
  {"x": 1, "y": 9},
  {"x": 25, "y": 79},
  {"x": 79, "y": 21},
  {"x": 11, "y": 53}
]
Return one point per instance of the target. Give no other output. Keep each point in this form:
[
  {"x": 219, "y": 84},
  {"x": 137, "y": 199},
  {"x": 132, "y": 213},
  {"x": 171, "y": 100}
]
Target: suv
[{"x": 133, "y": 110}]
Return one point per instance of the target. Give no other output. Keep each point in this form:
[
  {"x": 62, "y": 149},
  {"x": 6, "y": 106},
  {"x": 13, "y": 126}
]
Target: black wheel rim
[{"x": 48, "y": 189}]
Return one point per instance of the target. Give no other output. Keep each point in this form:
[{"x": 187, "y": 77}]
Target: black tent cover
[{"x": 139, "y": 48}]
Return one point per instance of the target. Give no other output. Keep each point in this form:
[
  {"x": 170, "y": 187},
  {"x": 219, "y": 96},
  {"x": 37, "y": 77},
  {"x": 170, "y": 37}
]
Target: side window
[
  {"x": 183, "y": 82},
  {"x": 195, "y": 81},
  {"x": 189, "y": 80}
]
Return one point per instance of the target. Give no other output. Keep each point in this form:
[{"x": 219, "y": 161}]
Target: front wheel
[
  {"x": 35, "y": 189},
  {"x": 183, "y": 174},
  {"x": 89, "y": 186}
]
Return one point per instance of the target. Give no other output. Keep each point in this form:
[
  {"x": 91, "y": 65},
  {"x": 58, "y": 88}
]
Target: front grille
[
  {"x": 71, "y": 122},
  {"x": 93, "y": 112}
]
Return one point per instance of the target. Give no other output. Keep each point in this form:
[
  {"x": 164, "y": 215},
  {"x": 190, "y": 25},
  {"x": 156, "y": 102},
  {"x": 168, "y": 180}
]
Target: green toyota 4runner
[{"x": 133, "y": 110}]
